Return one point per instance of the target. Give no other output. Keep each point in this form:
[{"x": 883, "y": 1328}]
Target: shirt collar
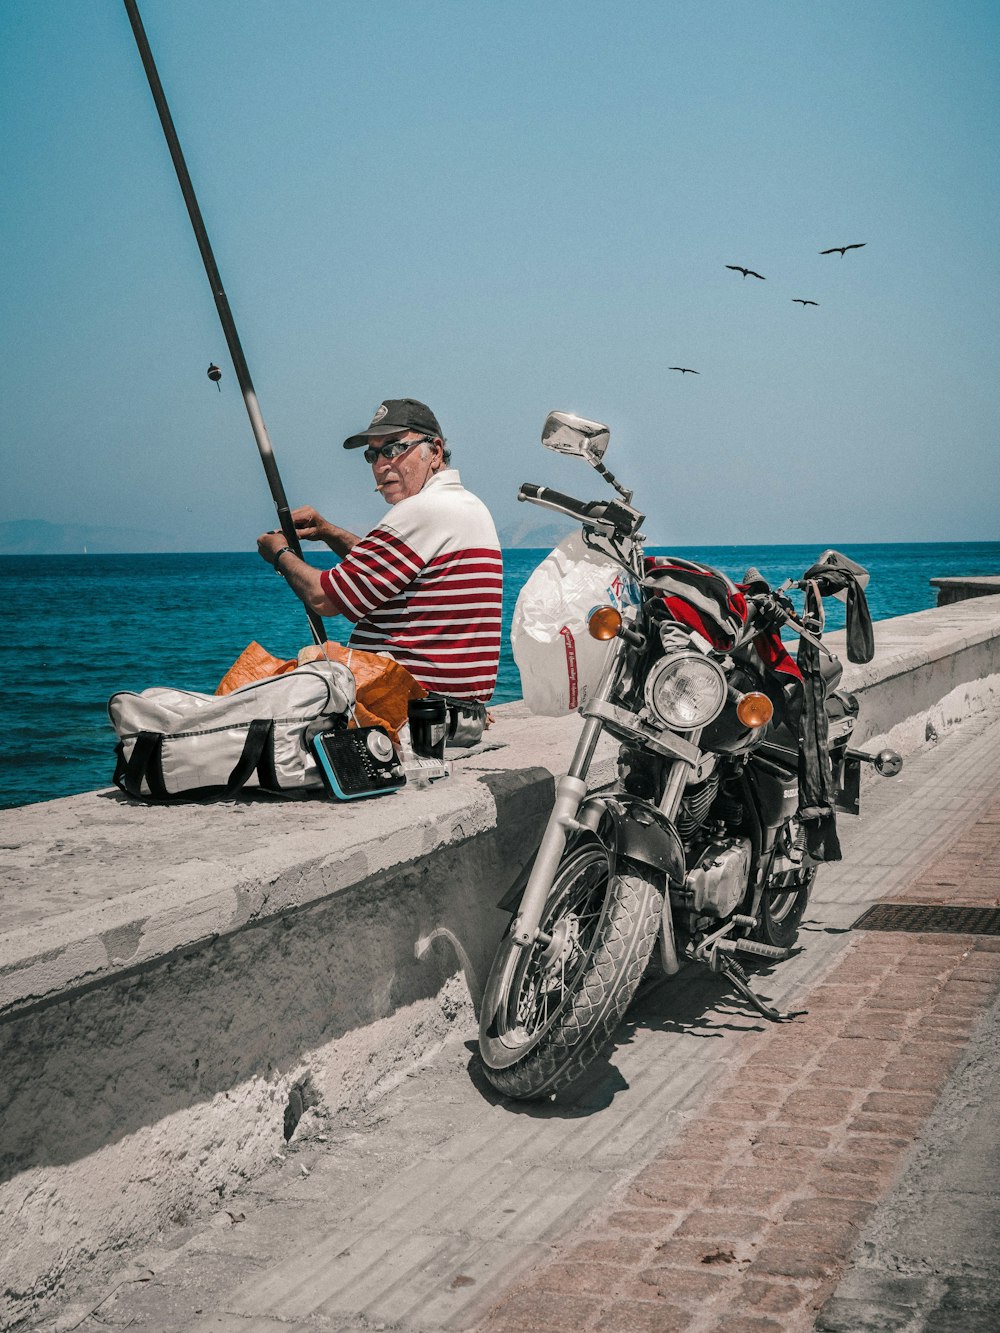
[{"x": 448, "y": 476}]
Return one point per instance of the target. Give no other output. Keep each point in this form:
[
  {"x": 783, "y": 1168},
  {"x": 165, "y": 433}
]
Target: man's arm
[
  {"x": 378, "y": 568},
  {"x": 303, "y": 579}
]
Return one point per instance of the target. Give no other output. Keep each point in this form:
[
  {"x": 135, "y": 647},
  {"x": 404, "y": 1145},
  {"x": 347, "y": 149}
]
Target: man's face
[{"x": 406, "y": 474}]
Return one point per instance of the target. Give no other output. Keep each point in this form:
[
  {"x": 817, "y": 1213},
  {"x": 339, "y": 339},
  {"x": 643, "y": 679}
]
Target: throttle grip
[
  {"x": 530, "y": 491},
  {"x": 584, "y": 510},
  {"x": 608, "y": 516}
]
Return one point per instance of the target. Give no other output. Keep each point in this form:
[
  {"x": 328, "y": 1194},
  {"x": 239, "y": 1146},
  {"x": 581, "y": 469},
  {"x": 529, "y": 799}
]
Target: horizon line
[{"x": 679, "y": 546}]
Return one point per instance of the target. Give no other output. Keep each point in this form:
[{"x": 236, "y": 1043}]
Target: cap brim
[{"x": 375, "y": 433}]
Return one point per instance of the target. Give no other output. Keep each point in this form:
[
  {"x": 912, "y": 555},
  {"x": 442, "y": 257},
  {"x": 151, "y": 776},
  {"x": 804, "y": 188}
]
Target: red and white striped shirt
[{"x": 426, "y": 586}]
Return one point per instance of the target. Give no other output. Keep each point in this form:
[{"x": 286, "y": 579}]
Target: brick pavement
[
  {"x": 748, "y": 1220},
  {"x": 966, "y": 874}
]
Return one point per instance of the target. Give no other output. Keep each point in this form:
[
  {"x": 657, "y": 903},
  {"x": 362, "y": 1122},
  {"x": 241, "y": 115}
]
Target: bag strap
[
  {"x": 267, "y": 776},
  {"x": 143, "y": 762},
  {"x": 255, "y": 755}
]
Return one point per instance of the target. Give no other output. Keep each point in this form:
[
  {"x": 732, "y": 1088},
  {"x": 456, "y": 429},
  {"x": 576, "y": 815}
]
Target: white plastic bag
[{"x": 559, "y": 662}]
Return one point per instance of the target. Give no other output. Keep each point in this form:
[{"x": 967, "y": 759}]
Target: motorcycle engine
[
  {"x": 718, "y": 879},
  {"x": 695, "y": 806},
  {"x": 720, "y": 862}
]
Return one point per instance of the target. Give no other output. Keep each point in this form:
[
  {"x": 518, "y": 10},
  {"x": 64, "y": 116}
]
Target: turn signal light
[
  {"x": 754, "y": 710},
  {"x": 605, "y": 623}
]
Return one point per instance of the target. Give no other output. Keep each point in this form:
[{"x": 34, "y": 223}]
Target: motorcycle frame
[
  {"x": 653, "y": 840},
  {"x": 640, "y": 830}
]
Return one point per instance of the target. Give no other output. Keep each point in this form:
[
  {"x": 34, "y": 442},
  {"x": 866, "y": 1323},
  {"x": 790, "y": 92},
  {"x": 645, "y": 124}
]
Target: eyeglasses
[{"x": 394, "y": 449}]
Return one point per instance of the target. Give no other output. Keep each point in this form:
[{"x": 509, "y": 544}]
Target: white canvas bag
[
  {"x": 559, "y": 662},
  {"x": 178, "y": 743}
]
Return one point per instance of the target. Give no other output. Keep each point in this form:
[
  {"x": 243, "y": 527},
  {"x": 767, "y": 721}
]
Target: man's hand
[
  {"x": 269, "y": 544},
  {"x": 311, "y": 525},
  {"x": 304, "y": 581}
]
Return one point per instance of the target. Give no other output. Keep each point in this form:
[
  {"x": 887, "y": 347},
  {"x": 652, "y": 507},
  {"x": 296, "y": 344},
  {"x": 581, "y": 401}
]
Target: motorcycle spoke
[
  {"x": 526, "y": 1001},
  {"x": 783, "y": 903},
  {"x": 590, "y": 917},
  {"x": 538, "y": 996}
]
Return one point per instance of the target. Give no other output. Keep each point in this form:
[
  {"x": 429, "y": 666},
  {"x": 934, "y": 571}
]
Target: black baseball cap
[{"x": 394, "y": 415}]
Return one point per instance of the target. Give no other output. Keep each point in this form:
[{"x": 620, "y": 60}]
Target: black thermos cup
[{"x": 428, "y": 727}]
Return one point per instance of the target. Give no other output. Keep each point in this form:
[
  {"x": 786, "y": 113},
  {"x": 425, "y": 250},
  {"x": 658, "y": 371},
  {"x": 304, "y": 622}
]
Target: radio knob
[{"x": 380, "y": 746}]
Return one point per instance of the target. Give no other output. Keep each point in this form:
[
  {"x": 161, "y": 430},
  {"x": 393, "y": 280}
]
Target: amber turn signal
[
  {"x": 754, "y": 710},
  {"x": 605, "y": 623}
]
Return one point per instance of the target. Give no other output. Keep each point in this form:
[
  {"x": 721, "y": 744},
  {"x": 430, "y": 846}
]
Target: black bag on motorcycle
[{"x": 817, "y": 789}]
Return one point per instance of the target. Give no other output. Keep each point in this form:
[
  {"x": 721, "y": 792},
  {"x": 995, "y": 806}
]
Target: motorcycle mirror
[
  {"x": 568, "y": 434},
  {"x": 888, "y": 763},
  {"x": 841, "y": 561}
]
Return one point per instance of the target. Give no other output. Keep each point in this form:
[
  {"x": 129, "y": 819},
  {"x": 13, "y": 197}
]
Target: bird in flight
[
  {"x": 839, "y": 249},
  {"x": 685, "y": 370},
  {"x": 800, "y": 301},
  {"x": 747, "y": 272}
]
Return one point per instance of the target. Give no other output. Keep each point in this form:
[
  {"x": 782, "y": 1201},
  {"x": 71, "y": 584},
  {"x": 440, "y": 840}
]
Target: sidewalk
[
  {"x": 712, "y": 1172},
  {"x": 747, "y": 1220}
]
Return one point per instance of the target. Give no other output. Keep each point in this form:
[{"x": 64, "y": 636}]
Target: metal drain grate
[{"x": 930, "y": 918}]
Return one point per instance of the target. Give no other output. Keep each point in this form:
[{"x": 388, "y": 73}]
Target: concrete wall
[
  {"x": 960, "y": 589},
  {"x": 930, "y": 669},
  {"x": 174, "y": 982}
]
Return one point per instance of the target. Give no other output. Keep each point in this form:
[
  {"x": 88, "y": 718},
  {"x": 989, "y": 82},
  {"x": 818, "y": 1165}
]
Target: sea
[{"x": 78, "y": 628}]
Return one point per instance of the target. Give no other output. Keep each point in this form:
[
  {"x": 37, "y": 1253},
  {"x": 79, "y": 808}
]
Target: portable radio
[{"x": 361, "y": 761}]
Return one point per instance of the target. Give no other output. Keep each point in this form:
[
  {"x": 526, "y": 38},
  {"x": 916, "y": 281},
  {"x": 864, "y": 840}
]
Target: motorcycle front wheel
[{"x": 549, "y": 1008}]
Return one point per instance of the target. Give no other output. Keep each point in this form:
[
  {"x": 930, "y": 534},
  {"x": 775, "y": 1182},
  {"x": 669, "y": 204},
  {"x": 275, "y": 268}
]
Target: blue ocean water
[{"x": 78, "y": 628}]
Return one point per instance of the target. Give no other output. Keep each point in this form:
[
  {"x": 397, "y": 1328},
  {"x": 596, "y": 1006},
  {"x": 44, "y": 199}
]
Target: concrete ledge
[
  {"x": 930, "y": 668},
  {"x": 176, "y": 982},
  {"x": 97, "y": 885},
  {"x": 960, "y": 589}
]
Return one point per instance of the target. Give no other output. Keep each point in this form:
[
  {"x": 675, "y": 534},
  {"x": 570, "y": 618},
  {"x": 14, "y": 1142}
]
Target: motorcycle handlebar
[
  {"x": 609, "y": 514},
  {"x": 584, "y": 510}
]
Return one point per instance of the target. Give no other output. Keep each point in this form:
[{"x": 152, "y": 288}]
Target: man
[{"x": 426, "y": 584}]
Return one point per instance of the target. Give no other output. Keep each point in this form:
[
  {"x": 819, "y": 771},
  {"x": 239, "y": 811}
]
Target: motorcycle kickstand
[
  {"x": 710, "y": 952},
  {"x": 739, "y": 980}
]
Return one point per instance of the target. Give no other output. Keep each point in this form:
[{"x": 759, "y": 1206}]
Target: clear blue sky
[{"x": 503, "y": 208}]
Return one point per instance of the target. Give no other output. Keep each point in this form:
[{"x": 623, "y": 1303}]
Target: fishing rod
[{"x": 221, "y": 303}]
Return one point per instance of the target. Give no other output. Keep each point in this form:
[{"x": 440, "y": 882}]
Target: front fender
[{"x": 638, "y": 831}]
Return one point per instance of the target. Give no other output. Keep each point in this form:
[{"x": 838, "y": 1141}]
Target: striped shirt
[{"x": 426, "y": 586}]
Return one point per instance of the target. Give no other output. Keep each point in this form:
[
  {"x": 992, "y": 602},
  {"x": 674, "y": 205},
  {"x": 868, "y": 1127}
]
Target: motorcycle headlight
[{"x": 686, "y": 691}]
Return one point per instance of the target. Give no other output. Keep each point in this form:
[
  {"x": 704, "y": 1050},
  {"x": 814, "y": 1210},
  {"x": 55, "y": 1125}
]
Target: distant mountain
[
  {"x": 34, "y": 536},
  {"x": 535, "y": 529}
]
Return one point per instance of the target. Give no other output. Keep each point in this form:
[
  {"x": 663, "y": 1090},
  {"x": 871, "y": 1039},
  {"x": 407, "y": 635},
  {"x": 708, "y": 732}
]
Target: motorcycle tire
[
  {"x": 782, "y": 906},
  {"x": 550, "y": 1008}
]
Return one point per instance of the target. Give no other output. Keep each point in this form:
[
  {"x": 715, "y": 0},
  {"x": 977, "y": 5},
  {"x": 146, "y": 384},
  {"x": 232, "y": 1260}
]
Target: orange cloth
[
  {"x": 384, "y": 688},
  {"x": 253, "y": 663}
]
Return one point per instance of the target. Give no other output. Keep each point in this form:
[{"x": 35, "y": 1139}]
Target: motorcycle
[{"x": 733, "y": 759}]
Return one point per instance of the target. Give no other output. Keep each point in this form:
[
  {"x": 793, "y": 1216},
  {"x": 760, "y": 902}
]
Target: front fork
[
  {"x": 571, "y": 791},
  {"x": 673, "y": 791}
]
